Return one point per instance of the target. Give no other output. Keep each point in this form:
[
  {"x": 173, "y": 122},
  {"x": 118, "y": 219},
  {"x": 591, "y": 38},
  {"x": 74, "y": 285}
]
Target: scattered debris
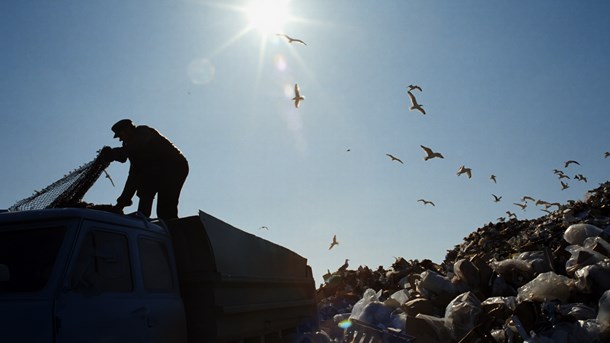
[{"x": 545, "y": 279}]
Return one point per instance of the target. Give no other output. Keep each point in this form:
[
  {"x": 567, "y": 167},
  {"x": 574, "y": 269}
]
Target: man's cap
[{"x": 122, "y": 125}]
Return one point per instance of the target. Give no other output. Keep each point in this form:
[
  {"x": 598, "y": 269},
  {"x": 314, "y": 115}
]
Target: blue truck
[{"x": 74, "y": 275}]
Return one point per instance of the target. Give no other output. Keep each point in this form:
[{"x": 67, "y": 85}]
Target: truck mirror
[{"x": 5, "y": 273}]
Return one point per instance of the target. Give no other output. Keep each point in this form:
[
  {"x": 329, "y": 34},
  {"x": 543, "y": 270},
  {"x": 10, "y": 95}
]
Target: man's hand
[{"x": 106, "y": 154}]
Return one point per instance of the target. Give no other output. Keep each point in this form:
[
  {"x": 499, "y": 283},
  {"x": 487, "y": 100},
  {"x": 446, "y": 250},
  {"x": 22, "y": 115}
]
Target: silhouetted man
[{"x": 157, "y": 167}]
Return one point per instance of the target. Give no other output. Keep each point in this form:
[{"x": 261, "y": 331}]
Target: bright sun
[{"x": 268, "y": 16}]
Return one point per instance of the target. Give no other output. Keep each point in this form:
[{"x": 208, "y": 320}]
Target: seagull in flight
[
  {"x": 426, "y": 202},
  {"x": 569, "y": 162},
  {"x": 525, "y": 198},
  {"x": 334, "y": 242},
  {"x": 414, "y": 104},
  {"x": 290, "y": 39},
  {"x": 493, "y": 178},
  {"x": 580, "y": 177},
  {"x": 108, "y": 177},
  {"x": 297, "y": 96},
  {"x": 496, "y": 198},
  {"x": 606, "y": 154},
  {"x": 464, "y": 170},
  {"x": 394, "y": 158},
  {"x": 412, "y": 87},
  {"x": 263, "y": 227},
  {"x": 523, "y": 206},
  {"x": 430, "y": 154},
  {"x": 564, "y": 185},
  {"x": 511, "y": 214}
]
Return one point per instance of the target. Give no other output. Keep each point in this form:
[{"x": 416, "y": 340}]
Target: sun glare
[{"x": 268, "y": 16}]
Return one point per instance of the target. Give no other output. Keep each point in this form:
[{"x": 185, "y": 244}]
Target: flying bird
[
  {"x": 511, "y": 214},
  {"x": 263, "y": 227},
  {"x": 297, "y": 96},
  {"x": 414, "y": 104},
  {"x": 547, "y": 205},
  {"x": 564, "y": 185},
  {"x": 541, "y": 202},
  {"x": 525, "y": 198},
  {"x": 108, "y": 177},
  {"x": 393, "y": 158},
  {"x": 464, "y": 170},
  {"x": 545, "y": 210},
  {"x": 496, "y": 198},
  {"x": 430, "y": 154},
  {"x": 290, "y": 39},
  {"x": 562, "y": 176},
  {"x": 426, "y": 202},
  {"x": 412, "y": 87},
  {"x": 580, "y": 177},
  {"x": 606, "y": 154},
  {"x": 569, "y": 162},
  {"x": 523, "y": 206},
  {"x": 493, "y": 178},
  {"x": 334, "y": 242}
]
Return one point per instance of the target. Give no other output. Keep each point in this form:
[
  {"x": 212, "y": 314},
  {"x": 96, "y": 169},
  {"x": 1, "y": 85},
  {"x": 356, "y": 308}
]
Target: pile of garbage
[{"x": 539, "y": 280}]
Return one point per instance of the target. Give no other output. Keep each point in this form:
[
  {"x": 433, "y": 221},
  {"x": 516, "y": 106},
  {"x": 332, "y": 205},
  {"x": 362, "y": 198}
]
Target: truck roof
[{"x": 132, "y": 220}]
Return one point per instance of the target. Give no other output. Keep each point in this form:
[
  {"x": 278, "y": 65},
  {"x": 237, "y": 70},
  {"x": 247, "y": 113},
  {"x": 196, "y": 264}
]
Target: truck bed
[{"x": 236, "y": 285}]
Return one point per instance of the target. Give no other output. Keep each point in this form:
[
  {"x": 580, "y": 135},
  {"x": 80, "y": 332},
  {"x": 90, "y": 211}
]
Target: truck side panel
[{"x": 236, "y": 285}]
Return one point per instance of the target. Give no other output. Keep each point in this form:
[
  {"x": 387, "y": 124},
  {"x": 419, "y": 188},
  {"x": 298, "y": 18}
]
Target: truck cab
[
  {"x": 82, "y": 275},
  {"x": 76, "y": 275}
]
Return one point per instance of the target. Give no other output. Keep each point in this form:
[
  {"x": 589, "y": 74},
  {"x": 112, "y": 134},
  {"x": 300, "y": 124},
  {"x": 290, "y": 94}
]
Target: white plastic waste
[{"x": 577, "y": 233}]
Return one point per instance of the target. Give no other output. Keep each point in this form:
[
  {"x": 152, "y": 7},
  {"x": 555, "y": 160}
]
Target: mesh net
[{"x": 67, "y": 191}]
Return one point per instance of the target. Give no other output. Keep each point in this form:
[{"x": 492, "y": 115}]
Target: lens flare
[
  {"x": 345, "y": 324},
  {"x": 280, "y": 62}
]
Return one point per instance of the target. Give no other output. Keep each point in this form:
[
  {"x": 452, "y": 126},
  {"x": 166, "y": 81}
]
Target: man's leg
[
  {"x": 145, "y": 204},
  {"x": 169, "y": 194}
]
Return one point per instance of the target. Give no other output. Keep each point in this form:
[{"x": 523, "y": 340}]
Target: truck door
[
  {"x": 167, "y": 322},
  {"x": 98, "y": 303}
]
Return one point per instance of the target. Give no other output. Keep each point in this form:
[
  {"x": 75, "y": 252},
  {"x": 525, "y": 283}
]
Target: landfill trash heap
[{"x": 539, "y": 280}]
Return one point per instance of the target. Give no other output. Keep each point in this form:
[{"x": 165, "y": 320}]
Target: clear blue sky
[{"x": 510, "y": 89}]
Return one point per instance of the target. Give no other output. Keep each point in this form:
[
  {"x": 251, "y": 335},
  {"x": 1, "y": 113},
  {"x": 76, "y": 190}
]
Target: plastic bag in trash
[
  {"x": 568, "y": 332},
  {"x": 603, "y": 312},
  {"x": 462, "y": 314},
  {"x": 467, "y": 272},
  {"x": 432, "y": 283},
  {"x": 400, "y": 297},
  {"x": 369, "y": 296},
  {"x": 577, "y": 311},
  {"x": 537, "y": 260},
  {"x": 546, "y": 286},
  {"x": 376, "y": 314},
  {"x": 594, "y": 278},
  {"x": 515, "y": 271},
  {"x": 577, "y": 233},
  {"x": 597, "y": 244},
  {"x": 580, "y": 257},
  {"x": 510, "y": 302},
  {"x": 436, "y": 324}
]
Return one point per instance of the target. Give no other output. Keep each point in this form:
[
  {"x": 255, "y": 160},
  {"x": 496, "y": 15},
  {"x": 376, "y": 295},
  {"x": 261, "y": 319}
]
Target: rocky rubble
[{"x": 539, "y": 280}]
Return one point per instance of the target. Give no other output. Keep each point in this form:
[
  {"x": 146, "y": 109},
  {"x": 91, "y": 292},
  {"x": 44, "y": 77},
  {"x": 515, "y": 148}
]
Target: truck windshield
[{"x": 27, "y": 257}]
